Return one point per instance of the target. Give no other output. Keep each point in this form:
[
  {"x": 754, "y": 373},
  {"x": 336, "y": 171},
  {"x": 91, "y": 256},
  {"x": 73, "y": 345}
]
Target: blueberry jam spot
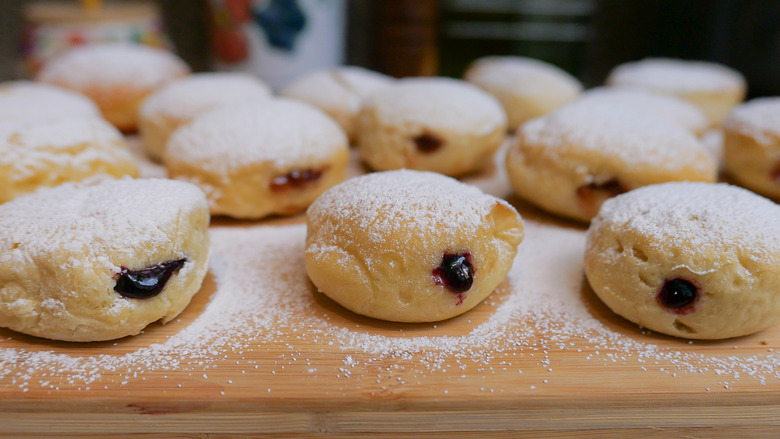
[
  {"x": 456, "y": 273},
  {"x": 678, "y": 295},
  {"x": 427, "y": 143},
  {"x": 295, "y": 179},
  {"x": 146, "y": 282}
]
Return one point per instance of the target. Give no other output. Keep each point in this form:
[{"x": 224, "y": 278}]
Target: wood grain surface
[{"x": 292, "y": 385}]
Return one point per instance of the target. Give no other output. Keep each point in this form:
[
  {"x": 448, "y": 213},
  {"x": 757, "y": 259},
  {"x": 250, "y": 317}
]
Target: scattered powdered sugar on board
[{"x": 263, "y": 296}]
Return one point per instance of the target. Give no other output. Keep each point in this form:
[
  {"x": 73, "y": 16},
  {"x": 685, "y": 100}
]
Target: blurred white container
[{"x": 277, "y": 40}]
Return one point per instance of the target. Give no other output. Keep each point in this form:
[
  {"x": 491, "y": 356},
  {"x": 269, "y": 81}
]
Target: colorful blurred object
[{"x": 51, "y": 27}]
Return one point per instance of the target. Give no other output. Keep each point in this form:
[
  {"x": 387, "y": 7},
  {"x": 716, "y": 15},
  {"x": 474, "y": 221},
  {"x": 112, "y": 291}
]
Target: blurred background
[{"x": 412, "y": 37}]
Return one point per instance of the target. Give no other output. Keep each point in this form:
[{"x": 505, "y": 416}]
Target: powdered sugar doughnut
[
  {"x": 752, "y": 146},
  {"x": 526, "y": 87},
  {"x": 116, "y": 76},
  {"x": 101, "y": 262},
  {"x": 339, "y": 92},
  {"x": 668, "y": 107},
  {"x": 712, "y": 87},
  {"x": 179, "y": 102},
  {"x": 431, "y": 124},
  {"x": 692, "y": 260},
  {"x": 259, "y": 158},
  {"x": 409, "y": 246},
  {"x": 573, "y": 159},
  {"x": 27, "y": 100},
  {"x": 46, "y": 153}
]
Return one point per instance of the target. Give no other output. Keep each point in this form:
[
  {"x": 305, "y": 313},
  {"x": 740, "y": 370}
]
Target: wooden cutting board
[{"x": 296, "y": 378}]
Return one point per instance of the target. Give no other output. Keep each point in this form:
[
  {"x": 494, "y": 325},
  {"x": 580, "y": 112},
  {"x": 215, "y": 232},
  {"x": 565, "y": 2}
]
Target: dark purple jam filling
[
  {"x": 295, "y": 179},
  {"x": 455, "y": 272},
  {"x": 428, "y": 143},
  {"x": 678, "y": 295},
  {"x": 146, "y": 282}
]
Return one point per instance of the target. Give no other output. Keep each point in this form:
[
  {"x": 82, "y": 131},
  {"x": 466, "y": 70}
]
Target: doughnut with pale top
[
  {"x": 712, "y": 87},
  {"x": 692, "y": 260},
  {"x": 39, "y": 154},
  {"x": 431, "y": 124},
  {"x": 27, "y": 100},
  {"x": 409, "y": 246},
  {"x": 526, "y": 87},
  {"x": 752, "y": 146},
  {"x": 259, "y": 158},
  {"x": 339, "y": 92},
  {"x": 99, "y": 262},
  {"x": 569, "y": 161},
  {"x": 116, "y": 76}
]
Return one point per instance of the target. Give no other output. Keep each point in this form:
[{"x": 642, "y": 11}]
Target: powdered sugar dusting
[
  {"x": 441, "y": 103},
  {"x": 26, "y": 100},
  {"x": 676, "y": 110},
  {"x": 343, "y": 87},
  {"x": 113, "y": 64},
  {"x": 716, "y": 218},
  {"x": 634, "y": 136},
  {"x": 677, "y": 76},
  {"x": 185, "y": 98},
  {"x": 757, "y": 117},
  {"x": 271, "y": 130},
  {"x": 524, "y": 77},
  {"x": 103, "y": 215},
  {"x": 424, "y": 203}
]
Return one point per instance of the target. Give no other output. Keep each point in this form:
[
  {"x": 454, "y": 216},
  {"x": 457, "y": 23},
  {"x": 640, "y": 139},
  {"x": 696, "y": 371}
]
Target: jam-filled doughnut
[
  {"x": 27, "y": 100},
  {"x": 527, "y": 88},
  {"x": 88, "y": 263},
  {"x": 752, "y": 146},
  {"x": 714, "y": 88},
  {"x": 569, "y": 161},
  {"x": 692, "y": 260},
  {"x": 431, "y": 124},
  {"x": 409, "y": 246},
  {"x": 116, "y": 76},
  {"x": 38, "y": 154},
  {"x": 259, "y": 158},
  {"x": 180, "y": 101},
  {"x": 339, "y": 92}
]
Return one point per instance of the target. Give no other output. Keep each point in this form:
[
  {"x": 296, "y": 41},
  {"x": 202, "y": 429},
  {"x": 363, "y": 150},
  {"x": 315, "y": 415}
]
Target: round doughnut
[
  {"x": 752, "y": 146},
  {"x": 691, "y": 260},
  {"x": 46, "y": 153},
  {"x": 89, "y": 263},
  {"x": 526, "y": 87},
  {"x": 116, "y": 76},
  {"x": 431, "y": 124},
  {"x": 180, "y": 101},
  {"x": 409, "y": 246},
  {"x": 573, "y": 159},
  {"x": 714, "y": 88},
  {"x": 259, "y": 158},
  {"x": 27, "y": 100},
  {"x": 669, "y": 107},
  {"x": 339, "y": 92}
]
